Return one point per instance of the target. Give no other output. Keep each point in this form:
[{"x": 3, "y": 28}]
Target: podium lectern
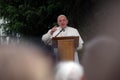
[{"x": 66, "y": 46}]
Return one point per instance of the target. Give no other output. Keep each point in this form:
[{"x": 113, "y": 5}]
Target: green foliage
[
  {"x": 29, "y": 17},
  {"x": 35, "y": 17}
]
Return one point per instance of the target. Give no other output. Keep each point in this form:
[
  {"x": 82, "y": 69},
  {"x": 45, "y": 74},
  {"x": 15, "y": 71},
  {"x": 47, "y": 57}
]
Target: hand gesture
[{"x": 53, "y": 29}]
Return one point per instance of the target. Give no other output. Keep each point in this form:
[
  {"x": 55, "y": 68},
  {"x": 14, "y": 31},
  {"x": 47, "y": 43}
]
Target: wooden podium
[{"x": 66, "y": 46}]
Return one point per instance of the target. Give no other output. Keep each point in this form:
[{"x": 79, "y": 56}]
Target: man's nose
[{"x": 62, "y": 22}]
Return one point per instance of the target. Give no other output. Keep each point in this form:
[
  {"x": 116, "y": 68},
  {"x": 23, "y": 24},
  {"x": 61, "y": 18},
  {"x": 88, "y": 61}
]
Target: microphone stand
[{"x": 60, "y": 32}]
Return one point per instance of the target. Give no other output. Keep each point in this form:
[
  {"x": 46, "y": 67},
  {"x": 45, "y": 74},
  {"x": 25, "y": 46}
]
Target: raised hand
[{"x": 53, "y": 29}]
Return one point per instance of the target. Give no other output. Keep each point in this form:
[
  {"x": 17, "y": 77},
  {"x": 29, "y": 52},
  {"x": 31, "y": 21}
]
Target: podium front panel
[{"x": 66, "y": 49}]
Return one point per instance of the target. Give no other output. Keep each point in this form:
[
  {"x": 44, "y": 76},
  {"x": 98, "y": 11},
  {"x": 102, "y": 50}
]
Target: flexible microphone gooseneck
[{"x": 60, "y": 32}]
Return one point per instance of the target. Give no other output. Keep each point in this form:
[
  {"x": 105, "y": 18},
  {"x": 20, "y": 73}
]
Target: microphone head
[{"x": 63, "y": 30}]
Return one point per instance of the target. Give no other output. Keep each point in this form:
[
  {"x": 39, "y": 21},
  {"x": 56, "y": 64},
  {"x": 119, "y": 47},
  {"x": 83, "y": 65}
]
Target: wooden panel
[{"x": 66, "y": 49}]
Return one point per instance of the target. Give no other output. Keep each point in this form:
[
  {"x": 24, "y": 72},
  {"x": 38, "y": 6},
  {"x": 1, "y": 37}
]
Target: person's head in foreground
[
  {"x": 101, "y": 59},
  {"x": 69, "y": 71},
  {"x": 24, "y": 62},
  {"x": 62, "y": 21}
]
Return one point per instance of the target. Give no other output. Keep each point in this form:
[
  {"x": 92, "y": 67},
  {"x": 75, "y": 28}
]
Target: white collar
[{"x": 64, "y": 28}]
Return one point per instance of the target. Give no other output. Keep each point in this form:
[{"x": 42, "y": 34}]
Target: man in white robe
[{"x": 62, "y": 31}]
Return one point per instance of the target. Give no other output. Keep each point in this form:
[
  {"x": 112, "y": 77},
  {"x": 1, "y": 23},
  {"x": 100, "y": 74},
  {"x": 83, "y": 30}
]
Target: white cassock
[{"x": 68, "y": 31}]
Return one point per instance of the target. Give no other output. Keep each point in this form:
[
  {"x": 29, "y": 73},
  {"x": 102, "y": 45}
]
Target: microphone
[
  {"x": 63, "y": 30},
  {"x": 60, "y": 32}
]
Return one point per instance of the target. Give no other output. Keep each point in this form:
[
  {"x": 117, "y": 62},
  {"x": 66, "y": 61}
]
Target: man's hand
[{"x": 53, "y": 29}]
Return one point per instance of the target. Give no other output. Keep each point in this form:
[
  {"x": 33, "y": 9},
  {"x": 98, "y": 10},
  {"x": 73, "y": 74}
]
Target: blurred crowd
[{"x": 27, "y": 61}]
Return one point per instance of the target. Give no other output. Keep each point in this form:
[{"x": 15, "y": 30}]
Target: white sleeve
[
  {"x": 46, "y": 38},
  {"x": 80, "y": 40}
]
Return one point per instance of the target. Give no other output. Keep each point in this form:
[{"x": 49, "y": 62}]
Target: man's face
[{"x": 62, "y": 21}]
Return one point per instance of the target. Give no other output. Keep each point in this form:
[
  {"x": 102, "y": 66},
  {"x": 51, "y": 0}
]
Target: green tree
[
  {"x": 29, "y": 17},
  {"x": 35, "y": 17}
]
